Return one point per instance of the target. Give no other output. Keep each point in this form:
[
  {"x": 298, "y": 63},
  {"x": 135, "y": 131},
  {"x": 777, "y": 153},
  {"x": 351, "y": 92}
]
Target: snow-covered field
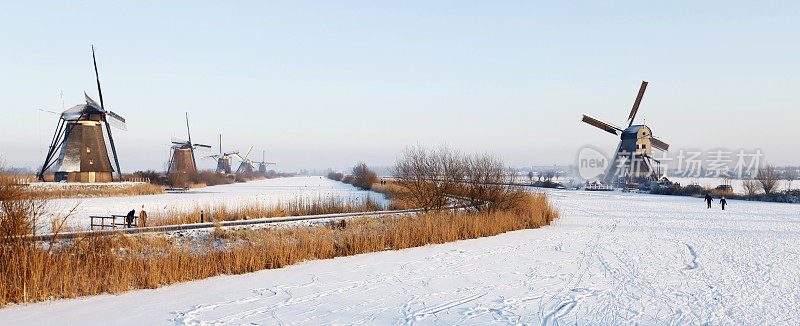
[
  {"x": 612, "y": 258},
  {"x": 269, "y": 191}
]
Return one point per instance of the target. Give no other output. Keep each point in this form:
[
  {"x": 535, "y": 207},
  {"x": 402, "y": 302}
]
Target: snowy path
[
  {"x": 269, "y": 191},
  {"x": 612, "y": 258}
]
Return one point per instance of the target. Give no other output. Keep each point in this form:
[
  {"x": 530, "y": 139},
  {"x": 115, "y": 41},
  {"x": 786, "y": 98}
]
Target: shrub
[
  {"x": 363, "y": 177},
  {"x": 335, "y": 176},
  {"x": 153, "y": 177}
]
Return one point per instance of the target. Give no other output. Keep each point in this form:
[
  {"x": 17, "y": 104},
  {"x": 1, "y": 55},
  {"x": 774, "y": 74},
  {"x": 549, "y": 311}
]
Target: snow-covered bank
[
  {"x": 736, "y": 184},
  {"x": 269, "y": 191},
  {"x": 611, "y": 258}
]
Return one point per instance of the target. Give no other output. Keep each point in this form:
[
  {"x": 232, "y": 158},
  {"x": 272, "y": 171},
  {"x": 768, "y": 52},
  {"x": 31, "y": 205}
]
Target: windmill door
[{"x": 91, "y": 176}]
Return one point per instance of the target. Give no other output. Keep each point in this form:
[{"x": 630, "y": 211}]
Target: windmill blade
[
  {"x": 97, "y": 77},
  {"x": 48, "y": 111},
  {"x": 202, "y": 145},
  {"x": 215, "y": 156},
  {"x": 116, "y": 121},
  {"x": 636, "y": 103},
  {"x": 189, "y": 133},
  {"x": 248, "y": 153},
  {"x": 238, "y": 156},
  {"x": 659, "y": 144},
  {"x": 605, "y": 126}
]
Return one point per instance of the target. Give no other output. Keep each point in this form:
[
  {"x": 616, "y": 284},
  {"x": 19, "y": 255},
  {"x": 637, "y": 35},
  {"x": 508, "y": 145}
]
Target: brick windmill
[
  {"x": 80, "y": 144},
  {"x": 633, "y": 159},
  {"x": 262, "y": 166},
  {"x": 246, "y": 167},
  {"x": 182, "y": 158},
  {"x": 223, "y": 159}
]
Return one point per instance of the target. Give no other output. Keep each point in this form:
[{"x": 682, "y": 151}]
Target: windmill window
[
  {"x": 88, "y": 150},
  {"x": 90, "y": 162}
]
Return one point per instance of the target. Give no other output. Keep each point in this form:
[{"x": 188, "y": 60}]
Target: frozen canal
[{"x": 269, "y": 191}]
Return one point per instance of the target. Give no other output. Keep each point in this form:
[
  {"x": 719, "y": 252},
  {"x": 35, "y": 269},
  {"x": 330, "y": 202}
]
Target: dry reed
[
  {"x": 96, "y": 265},
  {"x": 297, "y": 207},
  {"x": 89, "y": 190}
]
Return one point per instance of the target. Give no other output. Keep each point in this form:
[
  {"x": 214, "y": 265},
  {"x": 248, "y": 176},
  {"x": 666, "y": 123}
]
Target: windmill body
[
  {"x": 82, "y": 151},
  {"x": 633, "y": 160},
  {"x": 78, "y": 151},
  {"x": 181, "y": 160},
  {"x": 224, "y": 164}
]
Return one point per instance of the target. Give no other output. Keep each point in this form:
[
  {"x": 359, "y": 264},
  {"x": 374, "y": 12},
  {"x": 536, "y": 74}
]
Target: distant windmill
[
  {"x": 223, "y": 159},
  {"x": 635, "y": 150},
  {"x": 246, "y": 167},
  {"x": 262, "y": 166},
  {"x": 182, "y": 158},
  {"x": 78, "y": 139}
]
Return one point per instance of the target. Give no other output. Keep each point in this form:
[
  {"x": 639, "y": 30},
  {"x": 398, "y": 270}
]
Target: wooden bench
[{"x": 112, "y": 222}]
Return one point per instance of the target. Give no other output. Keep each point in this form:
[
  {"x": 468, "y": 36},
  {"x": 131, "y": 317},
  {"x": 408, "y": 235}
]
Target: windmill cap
[{"x": 76, "y": 112}]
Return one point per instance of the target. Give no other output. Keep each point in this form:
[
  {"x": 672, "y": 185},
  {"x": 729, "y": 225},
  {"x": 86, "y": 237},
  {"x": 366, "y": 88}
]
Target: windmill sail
[
  {"x": 605, "y": 126},
  {"x": 91, "y": 102},
  {"x": 659, "y": 144},
  {"x": 116, "y": 121},
  {"x": 636, "y": 103}
]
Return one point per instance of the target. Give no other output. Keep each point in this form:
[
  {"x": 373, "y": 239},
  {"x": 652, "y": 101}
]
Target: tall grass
[
  {"x": 297, "y": 207},
  {"x": 33, "y": 272},
  {"x": 89, "y": 190}
]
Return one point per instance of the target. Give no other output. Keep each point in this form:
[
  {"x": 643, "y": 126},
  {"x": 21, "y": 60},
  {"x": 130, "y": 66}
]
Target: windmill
[
  {"x": 633, "y": 158},
  {"x": 182, "y": 158},
  {"x": 79, "y": 142},
  {"x": 246, "y": 167},
  {"x": 223, "y": 159},
  {"x": 262, "y": 166}
]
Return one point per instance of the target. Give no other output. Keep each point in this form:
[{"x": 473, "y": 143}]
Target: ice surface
[
  {"x": 612, "y": 258},
  {"x": 269, "y": 191}
]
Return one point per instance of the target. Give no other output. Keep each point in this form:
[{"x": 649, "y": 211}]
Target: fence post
[{"x": 201, "y": 216}]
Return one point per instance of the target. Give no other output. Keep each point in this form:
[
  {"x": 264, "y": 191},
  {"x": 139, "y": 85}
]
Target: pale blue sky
[{"x": 324, "y": 84}]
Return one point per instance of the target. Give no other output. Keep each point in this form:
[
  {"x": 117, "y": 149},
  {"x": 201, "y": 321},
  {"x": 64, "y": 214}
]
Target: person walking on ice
[
  {"x": 722, "y": 202},
  {"x": 708, "y": 200}
]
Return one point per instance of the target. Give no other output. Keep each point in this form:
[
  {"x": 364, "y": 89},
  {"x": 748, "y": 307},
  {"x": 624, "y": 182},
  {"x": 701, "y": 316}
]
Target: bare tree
[
  {"x": 751, "y": 186},
  {"x": 530, "y": 177},
  {"x": 488, "y": 186},
  {"x": 768, "y": 179},
  {"x": 418, "y": 171},
  {"x": 434, "y": 179}
]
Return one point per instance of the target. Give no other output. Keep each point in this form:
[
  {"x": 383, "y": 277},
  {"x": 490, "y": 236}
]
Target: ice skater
[
  {"x": 709, "y": 200},
  {"x": 722, "y": 202}
]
